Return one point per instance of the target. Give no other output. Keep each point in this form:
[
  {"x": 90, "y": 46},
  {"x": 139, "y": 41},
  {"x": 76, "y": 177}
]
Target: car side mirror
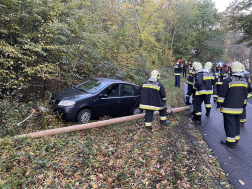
[{"x": 103, "y": 95}]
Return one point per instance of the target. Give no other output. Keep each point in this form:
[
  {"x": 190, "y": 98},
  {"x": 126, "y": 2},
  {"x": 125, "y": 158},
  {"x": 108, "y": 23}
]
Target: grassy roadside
[{"x": 123, "y": 155}]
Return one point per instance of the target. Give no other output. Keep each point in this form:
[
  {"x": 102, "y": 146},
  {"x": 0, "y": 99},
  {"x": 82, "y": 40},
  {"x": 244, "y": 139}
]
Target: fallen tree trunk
[{"x": 94, "y": 124}]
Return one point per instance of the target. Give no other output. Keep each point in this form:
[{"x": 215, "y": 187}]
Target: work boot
[
  {"x": 228, "y": 145},
  {"x": 241, "y": 124},
  {"x": 208, "y": 112},
  {"x": 196, "y": 120},
  {"x": 164, "y": 122},
  {"x": 187, "y": 101}
]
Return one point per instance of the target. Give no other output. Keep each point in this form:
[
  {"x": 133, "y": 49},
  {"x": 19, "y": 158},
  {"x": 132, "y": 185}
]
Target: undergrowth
[{"x": 123, "y": 155}]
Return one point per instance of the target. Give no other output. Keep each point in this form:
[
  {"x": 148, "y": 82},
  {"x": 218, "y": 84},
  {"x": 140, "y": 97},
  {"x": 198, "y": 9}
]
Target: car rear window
[{"x": 91, "y": 86}]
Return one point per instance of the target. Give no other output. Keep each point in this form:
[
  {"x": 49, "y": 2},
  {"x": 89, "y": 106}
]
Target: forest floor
[{"x": 123, "y": 155}]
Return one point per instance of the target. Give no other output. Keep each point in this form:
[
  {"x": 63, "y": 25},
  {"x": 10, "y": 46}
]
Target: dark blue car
[{"x": 96, "y": 98}]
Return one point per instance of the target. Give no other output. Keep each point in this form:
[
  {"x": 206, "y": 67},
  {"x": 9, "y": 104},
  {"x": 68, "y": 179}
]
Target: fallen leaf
[
  {"x": 27, "y": 172},
  {"x": 241, "y": 182}
]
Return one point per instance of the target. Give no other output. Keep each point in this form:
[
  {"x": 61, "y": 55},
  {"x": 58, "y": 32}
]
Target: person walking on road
[
  {"x": 208, "y": 78},
  {"x": 203, "y": 87},
  {"x": 190, "y": 82},
  {"x": 231, "y": 102},
  {"x": 177, "y": 73},
  {"x": 153, "y": 97},
  {"x": 185, "y": 68},
  {"x": 243, "y": 119},
  {"x": 219, "y": 75}
]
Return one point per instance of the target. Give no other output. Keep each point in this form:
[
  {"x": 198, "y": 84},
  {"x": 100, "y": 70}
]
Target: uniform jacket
[
  {"x": 249, "y": 87},
  {"x": 233, "y": 95},
  {"x": 177, "y": 69},
  {"x": 190, "y": 81},
  {"x": 153, "y": 96},
  {"x": 203, "y": 83},
  {"x": 219, "y": 76}
]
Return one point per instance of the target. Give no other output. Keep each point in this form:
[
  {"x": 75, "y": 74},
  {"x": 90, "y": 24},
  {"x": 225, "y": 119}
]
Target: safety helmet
[
  {"x": 237, "y": 67},
  {"x": 179, "y": 61},
  {"x": 193, "y": 65},
  {"x": 208, "y": 65},
  {"x": 155, "y": 74},
  {"x": 197, "y": 66},
  {"x": 242, "y": 67},
  {"x": 219, "y": 65},
  {"x": 191, "y": 70}
]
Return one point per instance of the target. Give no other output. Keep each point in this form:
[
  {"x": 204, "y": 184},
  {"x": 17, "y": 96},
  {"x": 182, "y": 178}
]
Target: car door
[
  {"x": 109, "y": 102},
  {"x": 129, "y": 99}
]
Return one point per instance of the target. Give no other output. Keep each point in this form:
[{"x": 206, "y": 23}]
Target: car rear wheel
[
  {"x": 137, "y": 110},
  {"x": 84, "y": 116}
]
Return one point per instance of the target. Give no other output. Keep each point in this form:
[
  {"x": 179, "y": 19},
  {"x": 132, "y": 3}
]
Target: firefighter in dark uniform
[
  {"x": 243, "y": 115},
  {"x": 177, "y": 73},
  {"x": 219, "y": 75},
  {"x": 153, "y": 97},
  {"x": 203, "y": 87},
  {"x": 231, "y": 102},
  {"x": 208, "y": 78},
  {"x": 190, "y": 82}
]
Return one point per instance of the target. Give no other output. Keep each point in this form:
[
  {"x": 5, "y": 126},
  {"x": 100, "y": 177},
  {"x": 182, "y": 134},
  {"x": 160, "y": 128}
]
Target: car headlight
[{"x": 66, "y": 103}]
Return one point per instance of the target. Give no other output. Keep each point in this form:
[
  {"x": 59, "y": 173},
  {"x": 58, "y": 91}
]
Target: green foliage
[
  {"x": 239, "y": 19},
  {"x": 76, "y": 39},
  {"x": 196, "y": 33}
]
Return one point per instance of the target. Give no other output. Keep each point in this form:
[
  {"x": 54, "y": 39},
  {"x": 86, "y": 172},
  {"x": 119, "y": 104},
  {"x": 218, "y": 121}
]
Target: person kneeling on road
[
  {"x": 231, "y": 102},
  {"x": 153, "y": 97}
]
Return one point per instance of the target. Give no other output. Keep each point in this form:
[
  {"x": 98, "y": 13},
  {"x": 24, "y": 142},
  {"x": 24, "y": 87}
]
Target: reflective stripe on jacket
[
  {"x": 219, "y": 75},
  {"x": 233, "y": 95},
  {"x": 153, "y": 96},
  {"x": 177, "y": 69},
  {"x": 203, "y": 83}
]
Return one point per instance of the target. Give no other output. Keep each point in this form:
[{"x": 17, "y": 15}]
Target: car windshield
[{"x": 91, "y": 86}]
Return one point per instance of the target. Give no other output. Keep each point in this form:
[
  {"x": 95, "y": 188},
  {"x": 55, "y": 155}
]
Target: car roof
[{"x": 108, "y": 80}]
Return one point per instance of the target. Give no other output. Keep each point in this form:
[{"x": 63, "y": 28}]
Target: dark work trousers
[
  {"x": 198, "y": 99},
  {"x": 184, "y": 72},
  {"x": 215, "y": 94},
  {"x": 177, "y": 80},
  {"x": 243, "y": 116},
  {"x": 232, "y": 128},
  {"x": 149, "y": 116},
  {"x": 207, "y": 101},
  {"x": 218, "y": 89}
]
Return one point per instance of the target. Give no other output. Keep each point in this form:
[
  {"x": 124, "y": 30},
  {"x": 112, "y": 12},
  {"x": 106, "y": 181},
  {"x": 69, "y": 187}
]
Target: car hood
[{"x": 69, "y": 93}]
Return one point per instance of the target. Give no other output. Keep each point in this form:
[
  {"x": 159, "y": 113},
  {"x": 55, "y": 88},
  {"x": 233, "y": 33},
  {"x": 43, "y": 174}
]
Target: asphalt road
[{"x": 236, "y": 162}]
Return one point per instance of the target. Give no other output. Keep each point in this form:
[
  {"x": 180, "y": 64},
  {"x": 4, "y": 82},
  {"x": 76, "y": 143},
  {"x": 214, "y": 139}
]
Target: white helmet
[
  {"x": 237, "y": 69},
  {"x": 242, "y": 67},
  {"x": 194, "y": 63},
  {"x": 208, "y": 65},
  {"x": 155, "y": 74},
  {"x": 197, "y": 66},
  {"x": 219, "y": 65}
]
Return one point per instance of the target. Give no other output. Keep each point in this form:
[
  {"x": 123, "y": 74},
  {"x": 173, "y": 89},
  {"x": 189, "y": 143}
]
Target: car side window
[
  {"x": 127, "y": 90},
  {"x": 112, "y": 90}
]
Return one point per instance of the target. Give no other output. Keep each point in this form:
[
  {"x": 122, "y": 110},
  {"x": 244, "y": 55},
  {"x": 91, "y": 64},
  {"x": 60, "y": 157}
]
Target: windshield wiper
[{"x": 80, "y": 89}]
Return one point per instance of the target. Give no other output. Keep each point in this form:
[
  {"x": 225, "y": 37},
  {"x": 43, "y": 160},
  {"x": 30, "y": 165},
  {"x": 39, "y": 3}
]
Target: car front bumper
[{"x": 67, "y": 113}]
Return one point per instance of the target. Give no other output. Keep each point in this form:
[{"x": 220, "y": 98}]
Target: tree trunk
[{"x": 21, "y": 23}]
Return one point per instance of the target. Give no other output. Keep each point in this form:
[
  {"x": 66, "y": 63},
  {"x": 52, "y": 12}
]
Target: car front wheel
[
  {"x": 137, "y": 110},
  {"x": 84, "y": 116}
]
